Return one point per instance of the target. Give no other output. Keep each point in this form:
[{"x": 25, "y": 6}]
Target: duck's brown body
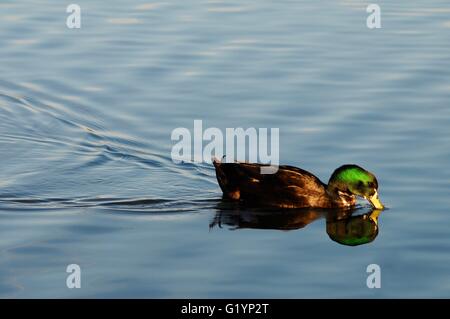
[{"x": 289, "y": 187}]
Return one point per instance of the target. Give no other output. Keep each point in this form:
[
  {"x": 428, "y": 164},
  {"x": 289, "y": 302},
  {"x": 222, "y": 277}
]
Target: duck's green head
[{"x": 354, "y": 180}]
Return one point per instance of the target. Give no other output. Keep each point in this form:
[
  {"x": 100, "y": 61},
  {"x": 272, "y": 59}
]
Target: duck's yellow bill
[
  {"x": 374, "y": 215},
  {"x": 375, "y": 201}
]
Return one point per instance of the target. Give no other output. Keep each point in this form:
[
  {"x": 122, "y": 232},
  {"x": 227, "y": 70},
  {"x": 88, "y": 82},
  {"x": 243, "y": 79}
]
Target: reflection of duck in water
[
  {"x": 354, "y": 230},
  {"x": 292, "y": 187},
  {"x": 342, "y": 226},
  {"x": 285, "y": 220}
]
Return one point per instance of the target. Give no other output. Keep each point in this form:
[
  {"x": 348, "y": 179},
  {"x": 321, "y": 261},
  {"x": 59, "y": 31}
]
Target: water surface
[{"x": 85, "y": 123}]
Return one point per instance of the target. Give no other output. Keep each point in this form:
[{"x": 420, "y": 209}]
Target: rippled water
[{"x": 85, "y": 123}]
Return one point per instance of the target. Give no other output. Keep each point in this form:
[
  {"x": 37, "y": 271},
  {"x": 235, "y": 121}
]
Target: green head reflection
[{"x": 354, "y": 230}]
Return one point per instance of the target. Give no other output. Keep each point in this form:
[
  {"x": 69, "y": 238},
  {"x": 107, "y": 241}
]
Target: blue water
[{"x": 86, "y": 117}]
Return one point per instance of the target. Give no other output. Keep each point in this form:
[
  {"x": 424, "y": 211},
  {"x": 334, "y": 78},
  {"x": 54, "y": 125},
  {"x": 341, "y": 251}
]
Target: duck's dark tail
[{"x": 229, "y": 190}]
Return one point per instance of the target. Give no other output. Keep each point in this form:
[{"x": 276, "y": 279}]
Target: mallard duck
[{"x": 292, "y": 187}]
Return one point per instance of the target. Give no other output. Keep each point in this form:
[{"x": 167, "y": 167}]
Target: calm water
[{"x": 85, "y": 122}]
